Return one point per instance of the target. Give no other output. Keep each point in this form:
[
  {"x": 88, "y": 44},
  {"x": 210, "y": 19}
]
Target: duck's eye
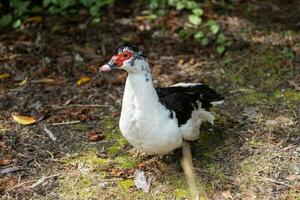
[{"x": 125, "y": 55}]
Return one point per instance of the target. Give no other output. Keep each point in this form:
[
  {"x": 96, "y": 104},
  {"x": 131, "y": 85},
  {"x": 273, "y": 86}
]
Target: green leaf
[
  {"x": 86, "y": 3},
  {"x": 96, "y": 20},
  {"x": 180, "y": 5},
  {"x": 220, "y": 49},
  {"x": 199, "y": 35},
  {"x": 184, "y": 33},
  {"x": 198, "y": 11},
  {"x": 17, "y": 23},
  {"x": 19, "y": 7},
  {"x": 67, "y": 3},
  {"x": 215, "y": 28},
  {"x": 191, "y": 5},
  {"x": 221, "y": 38},
  {"x": 170, "y": 2},
  {"x": 5, "y": 20},
  {"x": 204, "y": 41},
  {"x": 194, "y": 19},
  {"x": 46, "y": 3},
  {"x": 94, "y": 10},
  {"x": 54, "y": 10}
]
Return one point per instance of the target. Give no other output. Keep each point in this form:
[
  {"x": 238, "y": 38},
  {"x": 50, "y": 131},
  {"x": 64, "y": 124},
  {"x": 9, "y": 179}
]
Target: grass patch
[
  {"x": 126, "y": 162},
  {"x": 89, "y": 157},
  {"x": 126, "y": 184},
  {"x": 80, "y": 127},
  {"x": 114, "y": 135},
  {"x": 254, "y": 98}
]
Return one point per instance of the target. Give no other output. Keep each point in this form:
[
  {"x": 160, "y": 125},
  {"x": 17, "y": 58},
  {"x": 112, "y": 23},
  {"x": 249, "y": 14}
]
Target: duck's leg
[{"x": 187, "y": 165}]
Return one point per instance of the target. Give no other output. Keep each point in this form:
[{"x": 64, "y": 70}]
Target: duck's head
[{"x": 127, "y": 57}]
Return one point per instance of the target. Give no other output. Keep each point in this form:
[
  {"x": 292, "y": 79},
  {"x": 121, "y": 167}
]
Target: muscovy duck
[{"x": 158, "y": 120}]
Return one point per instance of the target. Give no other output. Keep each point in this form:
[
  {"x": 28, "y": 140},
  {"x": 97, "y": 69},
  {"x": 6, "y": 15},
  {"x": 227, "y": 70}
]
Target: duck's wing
[{"x": 183, "y": 99}]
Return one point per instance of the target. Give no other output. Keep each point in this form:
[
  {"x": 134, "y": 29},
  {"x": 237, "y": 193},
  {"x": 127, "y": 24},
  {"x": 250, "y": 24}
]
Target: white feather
[{"x": 185, "y": 84}]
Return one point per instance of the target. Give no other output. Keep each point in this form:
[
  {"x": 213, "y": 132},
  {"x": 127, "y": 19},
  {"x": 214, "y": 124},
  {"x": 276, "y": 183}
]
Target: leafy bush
[
  {"x": 204, "y": 31},
  {"x": 21, "y": 9}
]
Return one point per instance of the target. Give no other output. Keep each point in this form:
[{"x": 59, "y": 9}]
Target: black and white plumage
[
  {"x": 157, "y": 121},
  {"x": 175, "y": 98}
]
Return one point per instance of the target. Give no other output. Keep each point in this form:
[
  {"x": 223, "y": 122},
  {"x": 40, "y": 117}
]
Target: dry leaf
[
  {"x": 83, "y": 80},
  {"x": 45, "y": 80},
  {"x": 4, "y": 75},
  {"x": 24, "y": 120},
  {"x": 118, "y": 173},
  {"x": 5, "y": 161},
  {"x": 35, "y": 19},
  {"x": 95, "y": 136},
  {"x": 23, "y": 82},
  {"x": 7, "y": 182}
]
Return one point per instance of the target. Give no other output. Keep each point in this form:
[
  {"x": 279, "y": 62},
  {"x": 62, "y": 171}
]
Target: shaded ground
[{"x": 252, "y": 151}]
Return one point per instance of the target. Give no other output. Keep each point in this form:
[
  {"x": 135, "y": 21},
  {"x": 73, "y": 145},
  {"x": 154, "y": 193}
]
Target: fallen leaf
[
  {"x": 23, "y": 82},
  {"x": 94, "y": 69},
  {"x": 45, "y": 80},
  {"x": 83, "y": 80},
  {"x": 24, "y": 120},
  {"x": 34, "y": 19},
  {"x": 118, "y": 173},
  {"x": 7, "y": 160},
  {"x": 141, "y": 181},
  {"x": 4, "y": 75},
  {"x": 95, "y": 136},
  {"x": 7, "y": 182}
]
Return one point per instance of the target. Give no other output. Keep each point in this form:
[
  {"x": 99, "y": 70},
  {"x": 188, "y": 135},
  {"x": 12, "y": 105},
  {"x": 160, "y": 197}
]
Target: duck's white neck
[{"x": 141, "y": 85}]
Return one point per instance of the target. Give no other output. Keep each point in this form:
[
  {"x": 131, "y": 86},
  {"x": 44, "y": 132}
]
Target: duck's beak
[{"x": 108, "y": 66}]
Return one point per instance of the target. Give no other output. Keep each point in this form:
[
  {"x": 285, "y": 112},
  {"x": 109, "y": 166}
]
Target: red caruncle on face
[{"x": 120, "y": 58}]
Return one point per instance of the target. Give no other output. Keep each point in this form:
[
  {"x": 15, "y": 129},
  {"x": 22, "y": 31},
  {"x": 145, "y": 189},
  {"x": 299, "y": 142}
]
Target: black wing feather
[{"x": 183, "y": 99}]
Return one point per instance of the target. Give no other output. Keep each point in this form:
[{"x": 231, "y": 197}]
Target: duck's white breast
[{"x": 153, "y": 133}]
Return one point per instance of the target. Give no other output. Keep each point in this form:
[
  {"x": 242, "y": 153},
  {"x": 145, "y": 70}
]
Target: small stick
[
  {"x": 65, "y": 123},
  {"x": 187, "y": 166},
  {"x": 42, "y": 180},
  {"x": 277, "y": 182}
]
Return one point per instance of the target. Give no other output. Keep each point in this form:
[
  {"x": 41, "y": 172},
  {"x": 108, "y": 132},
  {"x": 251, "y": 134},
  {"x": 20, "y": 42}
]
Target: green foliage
[
  {"x": 287, "y": 53},
  {"x": 203, "y": 31},
  {"x": 21, "y": 9}
]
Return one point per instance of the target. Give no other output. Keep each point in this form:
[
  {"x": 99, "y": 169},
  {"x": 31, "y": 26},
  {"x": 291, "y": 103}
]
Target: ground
[{"x": 251, "y": 152}]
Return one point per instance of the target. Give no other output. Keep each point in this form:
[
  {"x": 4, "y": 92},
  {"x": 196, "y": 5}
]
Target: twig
[
  {"x": 11, "y": 169},
  {"x": 42, "y": 180},
  {"x": 65, "y": 123},
  {"x": 187, "y": 166},
  {"x": 19, "y": 185},
  {"x": 80, "y": 105},
  {"x": 277, "y": 182},
  {"x": 50, "y": 134}
]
